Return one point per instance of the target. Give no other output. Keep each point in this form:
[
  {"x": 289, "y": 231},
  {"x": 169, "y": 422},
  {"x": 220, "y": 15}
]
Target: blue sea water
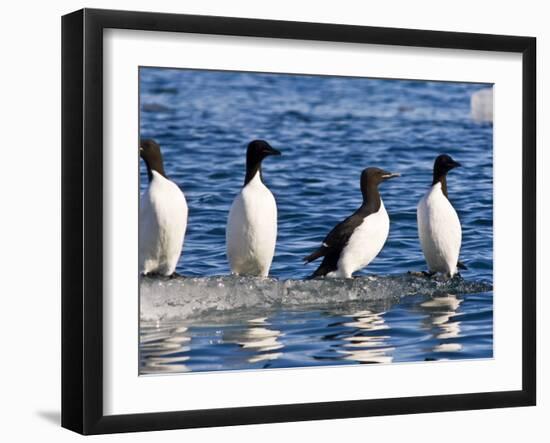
[{"x": 329, "y": 129}]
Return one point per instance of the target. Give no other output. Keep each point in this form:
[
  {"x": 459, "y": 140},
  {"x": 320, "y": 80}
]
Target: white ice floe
[
  {"x": 481, "y": 105},
  {"x": 197, "y": 297}
]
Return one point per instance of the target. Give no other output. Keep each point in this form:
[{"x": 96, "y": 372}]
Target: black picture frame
[{"x": 82, "y": 219}]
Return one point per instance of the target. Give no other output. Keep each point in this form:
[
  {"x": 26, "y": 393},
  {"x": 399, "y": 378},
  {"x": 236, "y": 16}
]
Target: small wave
[
  {"x": 296, "y": 115},
  {"x": 163, "y": 90},
  {"x": 154, "y": 107},
  {"x": 194, "y": 297}
]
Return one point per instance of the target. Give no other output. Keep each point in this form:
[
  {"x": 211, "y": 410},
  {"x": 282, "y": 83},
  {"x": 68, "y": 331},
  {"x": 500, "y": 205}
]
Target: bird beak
[
  {"x": 456, "y": 164},
  {"x": 273, "y": 151},
  {"x": 389, "y": 175}
]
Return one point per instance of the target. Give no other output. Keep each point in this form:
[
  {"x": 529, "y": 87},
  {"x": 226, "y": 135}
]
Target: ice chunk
[
  {"x": 198, "y": 297},
  {"x": 481, "y": 105}
]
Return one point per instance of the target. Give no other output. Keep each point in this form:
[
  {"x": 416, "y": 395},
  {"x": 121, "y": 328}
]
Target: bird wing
[{"x": 337, "y": 238}]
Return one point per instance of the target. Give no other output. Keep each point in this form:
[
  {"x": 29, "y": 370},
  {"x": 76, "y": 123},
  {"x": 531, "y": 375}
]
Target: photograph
[{"x": 291, "y": 220}]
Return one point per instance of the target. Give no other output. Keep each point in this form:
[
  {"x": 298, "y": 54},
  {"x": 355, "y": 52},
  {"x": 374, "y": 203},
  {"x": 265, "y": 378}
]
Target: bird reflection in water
[
  {"x": 163, "y": 349},
  {"x": 262, "y": 340},
  {"x": 366, "y": 345},
  {"x": 441, "y": 311}
]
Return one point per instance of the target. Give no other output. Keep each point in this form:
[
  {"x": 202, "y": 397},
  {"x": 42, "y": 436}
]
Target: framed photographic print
[{"x": 269, "y": 221}]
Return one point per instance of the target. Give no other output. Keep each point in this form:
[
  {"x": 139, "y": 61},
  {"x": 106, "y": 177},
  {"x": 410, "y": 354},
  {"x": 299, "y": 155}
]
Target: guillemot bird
[
  {"x": 355, "y": 242},
  {"x": 252, "y": 223},
  {"x": 162, "y": 216},
  {"x": 438, "y": 224}
]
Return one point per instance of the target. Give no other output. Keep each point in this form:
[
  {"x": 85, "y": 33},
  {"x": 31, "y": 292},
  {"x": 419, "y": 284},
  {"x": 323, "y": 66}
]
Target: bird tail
[
  {"x": 461, "y": 265},
  {"x": 315, "y": 255}
]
